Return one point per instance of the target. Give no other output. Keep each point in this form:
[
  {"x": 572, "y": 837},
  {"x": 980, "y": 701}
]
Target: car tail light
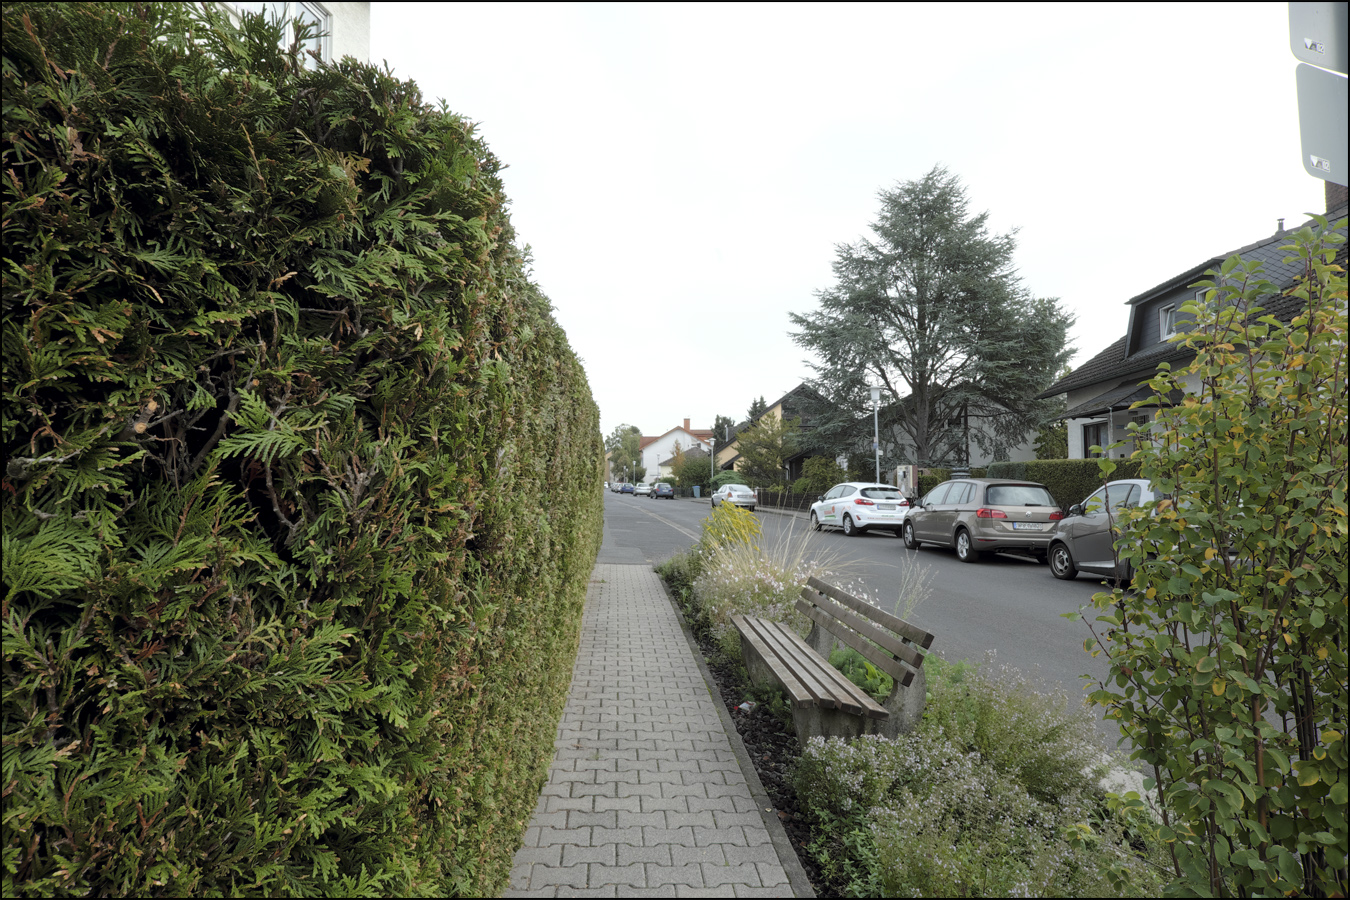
[
  {"x": 861, "y": 502},
  {"x": 902, "y": 503},
  {"x": 1056, "y": 516},
  {"x": 986, "y": 513}
]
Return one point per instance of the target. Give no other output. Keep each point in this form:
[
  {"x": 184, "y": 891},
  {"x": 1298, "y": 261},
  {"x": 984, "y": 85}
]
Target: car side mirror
[
  {"x": 1076, "y": 509},
  {"x": 820, "y": 499}
]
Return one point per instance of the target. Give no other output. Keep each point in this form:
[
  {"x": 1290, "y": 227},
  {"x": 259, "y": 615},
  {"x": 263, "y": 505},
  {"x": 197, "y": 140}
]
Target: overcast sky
[{"x": 684, "y": 172}]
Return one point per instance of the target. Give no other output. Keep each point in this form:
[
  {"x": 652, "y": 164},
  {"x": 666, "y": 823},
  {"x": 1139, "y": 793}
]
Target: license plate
[
  {"x": 1026, "y": 526},
  {"x": 885, "y": 506}
]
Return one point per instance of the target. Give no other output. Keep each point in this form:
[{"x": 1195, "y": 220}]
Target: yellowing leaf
[
  {"x": 1288, "y": 640},
  {"x": 1210, "y": 553},
  {"x": 1321, "y": 652},
  {"x": 1218, "y": 688},
  {"x": 1151, "y": 593}
]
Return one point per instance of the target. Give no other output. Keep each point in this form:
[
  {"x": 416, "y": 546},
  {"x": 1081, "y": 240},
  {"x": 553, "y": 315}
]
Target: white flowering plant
[{"x": 994, "y": 794}]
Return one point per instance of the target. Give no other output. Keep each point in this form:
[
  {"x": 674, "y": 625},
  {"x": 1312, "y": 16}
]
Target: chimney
[
  {"x": 1335, "y": 194},
  {"x": 1279, "y": 229},
  {"x": 686, "y": 424}
]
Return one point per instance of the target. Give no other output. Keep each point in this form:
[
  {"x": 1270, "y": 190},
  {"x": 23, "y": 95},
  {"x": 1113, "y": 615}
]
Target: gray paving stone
[
  {"x": 659, "y": 854},
  {"x": 690, "y": 875},
  {"x": 547, "y": 856},
  {"x": 690, "y": 855},
  {"x": 744, "y": 890},
  {"x": 607, "y": 891},
  {"x": 771, "y": 874},
  {"x": 632, "y": 875},
  {"x": 654, "y": 819},
  {"x": 744, "y": 855},
  {"x": 717, "y": 875},
  {"x": 573, "y": 855},
  {"x": 541, "y": 876},
  {"x": 622, "y": 835},
  {"x": 706, "y": 836},
  {"x": 702, "y": 819},
  {"x": 681, "y": 836},
  {"x": 580, "y": 818},
  {"x": 747, "y": 819},
  {"x": 550, "y": 837}
]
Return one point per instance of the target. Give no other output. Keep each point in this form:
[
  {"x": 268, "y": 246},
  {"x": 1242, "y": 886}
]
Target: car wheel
[
  {"x": 965, "y": 548},
  {"x": 908, "y": 535},
  {"x": 752, "y": 509},
  {"x": 849, "y": 529},
  {"x": 815, "y": 523},
  {"x": 1061, "y": 563}
]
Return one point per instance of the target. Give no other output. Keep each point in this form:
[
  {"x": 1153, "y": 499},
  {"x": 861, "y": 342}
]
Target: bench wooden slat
[
  {"x": 890, "y": 666},
  {"x": 867, "y": 629},
  {"x": 868, "y": 706},
  {"x": 916, "y": 634},
  {"x": 820, "y": 669},
  {"x": 801, "y": 697},
  {"x": 801, "y": 666}
]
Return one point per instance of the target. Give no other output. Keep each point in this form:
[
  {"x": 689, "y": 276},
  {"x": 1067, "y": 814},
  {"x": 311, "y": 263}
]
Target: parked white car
[
  {"x": 735, "y": 494},
  {"x": 642, "y": 490},
  {"x": 858, "y": 506}
]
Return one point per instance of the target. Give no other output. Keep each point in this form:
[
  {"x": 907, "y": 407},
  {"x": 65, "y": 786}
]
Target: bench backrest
[{"x": 887, "y": 641}]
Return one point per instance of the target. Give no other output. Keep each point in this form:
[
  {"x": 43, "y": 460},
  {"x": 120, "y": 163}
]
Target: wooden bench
[{"x": 824, "y": 701}]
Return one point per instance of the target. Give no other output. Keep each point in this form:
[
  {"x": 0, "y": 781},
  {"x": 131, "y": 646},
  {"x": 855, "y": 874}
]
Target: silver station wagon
[{"x": 979, "y": 515}]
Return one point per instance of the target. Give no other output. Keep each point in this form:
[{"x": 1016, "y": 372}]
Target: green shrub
[
  {"x": 726, "y": 477},
  {"x": 1069, "y": 481},
  {"x": 1046, "y": 741},
  {"x": 274, "y": 381},
  {"x": 949, "y": 810},
  {"x": 1228, "y": 652},
  {"x": 858, "y": 670}
]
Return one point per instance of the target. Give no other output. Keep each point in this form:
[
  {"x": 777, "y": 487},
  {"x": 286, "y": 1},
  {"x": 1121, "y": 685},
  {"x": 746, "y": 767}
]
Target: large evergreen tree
[{"x": 932, "y": 310}]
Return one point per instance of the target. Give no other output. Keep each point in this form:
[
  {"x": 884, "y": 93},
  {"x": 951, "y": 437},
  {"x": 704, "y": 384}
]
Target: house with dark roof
[
  {"x": 1100, "y": 392},
  {"x": 791, "y": 405}
]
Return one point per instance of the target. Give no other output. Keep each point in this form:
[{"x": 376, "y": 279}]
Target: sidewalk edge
[{"x": 787, "y": 857}]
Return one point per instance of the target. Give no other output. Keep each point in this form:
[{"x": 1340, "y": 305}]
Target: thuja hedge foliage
[{"x": 301, "y": 488}]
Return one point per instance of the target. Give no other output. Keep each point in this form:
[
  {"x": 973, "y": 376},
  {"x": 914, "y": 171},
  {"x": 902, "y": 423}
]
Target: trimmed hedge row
[
  {"x": 302, "y": 486},
  {"x": 1069, "y": 480}
]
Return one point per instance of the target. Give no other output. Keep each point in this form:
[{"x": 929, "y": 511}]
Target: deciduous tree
[
  {"x": 1228, "y": 653},
  {"x": 765, "y": 448}
]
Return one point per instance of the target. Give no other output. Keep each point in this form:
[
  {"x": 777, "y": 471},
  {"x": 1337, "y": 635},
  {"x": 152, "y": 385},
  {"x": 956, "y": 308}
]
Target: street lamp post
[{"x": 875, "y": 390}]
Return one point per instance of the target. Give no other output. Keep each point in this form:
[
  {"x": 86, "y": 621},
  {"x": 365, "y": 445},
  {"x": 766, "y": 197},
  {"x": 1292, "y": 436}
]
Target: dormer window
[{"x": 1167, "y": 321}]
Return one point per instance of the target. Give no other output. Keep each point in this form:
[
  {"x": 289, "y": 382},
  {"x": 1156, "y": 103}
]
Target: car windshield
[
  {"x": 881, "y": 493},
  {"x": 1018, "y": 495}
]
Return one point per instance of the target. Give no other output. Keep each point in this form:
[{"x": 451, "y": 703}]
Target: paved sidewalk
[{"x": 646, "y": 796}]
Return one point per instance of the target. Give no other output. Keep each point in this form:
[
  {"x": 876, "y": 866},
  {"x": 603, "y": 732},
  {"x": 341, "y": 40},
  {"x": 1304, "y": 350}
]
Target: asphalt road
[{"x": 1005, "y": 604}]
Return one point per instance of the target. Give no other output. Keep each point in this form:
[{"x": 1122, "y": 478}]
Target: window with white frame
[
  {"x": 1167, "y": 321},
  {"x": 314, "y": 14}
]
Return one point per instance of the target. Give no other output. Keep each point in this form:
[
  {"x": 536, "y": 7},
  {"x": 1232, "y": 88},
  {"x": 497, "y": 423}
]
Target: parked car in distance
[
  {"x": 642, "y": 490},
  {"x": 1083, "y": 539},
  {"x": 625, "y": 489},
  {"x": 615, "y": 486},
  {"x": 979, "y": 515},
  {"x": 858, "y": 506},
  {"x": 735, "y": 494},
  {"x": 661, "y": 490}
]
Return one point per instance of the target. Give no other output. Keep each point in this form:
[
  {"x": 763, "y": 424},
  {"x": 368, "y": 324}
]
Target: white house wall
[{"x": 664, "y": 448}]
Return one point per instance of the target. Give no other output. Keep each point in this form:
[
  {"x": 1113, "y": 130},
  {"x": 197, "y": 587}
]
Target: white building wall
[
  {"x": 664, "y": 448},
  {"x": 351, "y": 30}
]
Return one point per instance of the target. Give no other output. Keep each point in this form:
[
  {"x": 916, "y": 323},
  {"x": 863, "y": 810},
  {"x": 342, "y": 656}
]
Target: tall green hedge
[{"x": 302, "y": 480}]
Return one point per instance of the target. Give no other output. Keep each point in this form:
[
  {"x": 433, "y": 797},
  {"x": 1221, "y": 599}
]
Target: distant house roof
[{"x": 1120, "y": 364}]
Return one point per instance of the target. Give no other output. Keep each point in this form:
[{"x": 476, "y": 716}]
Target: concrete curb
[{"x": 787, "y": 857}]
